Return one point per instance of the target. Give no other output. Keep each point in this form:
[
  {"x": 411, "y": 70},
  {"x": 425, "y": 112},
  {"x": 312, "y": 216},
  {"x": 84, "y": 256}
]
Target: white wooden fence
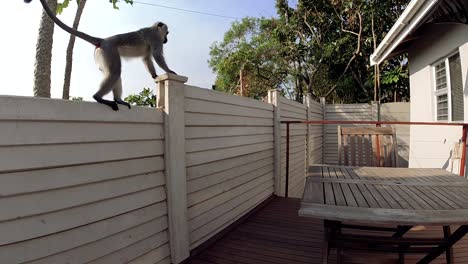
[{"x": 80, "y": 183}]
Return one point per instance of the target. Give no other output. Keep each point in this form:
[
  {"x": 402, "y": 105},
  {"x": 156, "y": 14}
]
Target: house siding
[{"x": 432, "y": 146}]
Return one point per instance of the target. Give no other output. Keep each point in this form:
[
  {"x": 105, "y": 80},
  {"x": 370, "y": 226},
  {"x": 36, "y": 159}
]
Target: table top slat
[
  {"x": 349, "y": 197},
  {"x": 385, "y": 195},
  {"x": 329, "y": 195}
]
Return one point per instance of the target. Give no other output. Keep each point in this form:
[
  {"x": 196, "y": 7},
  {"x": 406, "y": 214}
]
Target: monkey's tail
[{"x": 93, "y": 40}]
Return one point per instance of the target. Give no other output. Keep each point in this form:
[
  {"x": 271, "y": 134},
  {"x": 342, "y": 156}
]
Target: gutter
[{"x": 406, "y": 23}]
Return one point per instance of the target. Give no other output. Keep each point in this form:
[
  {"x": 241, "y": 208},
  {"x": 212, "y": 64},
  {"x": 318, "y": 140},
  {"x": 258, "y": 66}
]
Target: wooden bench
[{"x": 367, "y": 146}]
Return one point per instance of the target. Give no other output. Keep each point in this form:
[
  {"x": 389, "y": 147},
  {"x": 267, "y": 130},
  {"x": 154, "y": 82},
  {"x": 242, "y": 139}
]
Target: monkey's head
[{"x": 163, "y": 30}]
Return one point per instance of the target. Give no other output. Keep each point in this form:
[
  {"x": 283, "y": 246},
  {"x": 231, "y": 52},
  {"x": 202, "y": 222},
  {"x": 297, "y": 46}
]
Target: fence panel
[
  {"x": 81, "y": 183},
  {"x": 229, "y": 156}
]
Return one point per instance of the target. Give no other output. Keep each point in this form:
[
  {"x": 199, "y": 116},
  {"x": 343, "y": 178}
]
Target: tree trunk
[
  {"x": 71, "y": 45},
  {"x": 42, "y": 66}
]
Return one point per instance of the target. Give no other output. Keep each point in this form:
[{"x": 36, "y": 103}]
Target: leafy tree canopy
[{"x": 320, "y": 47}]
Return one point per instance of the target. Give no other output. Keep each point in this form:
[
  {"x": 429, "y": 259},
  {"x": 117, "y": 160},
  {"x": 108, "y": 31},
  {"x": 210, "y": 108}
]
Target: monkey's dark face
[{"x": 163, "y": 30}]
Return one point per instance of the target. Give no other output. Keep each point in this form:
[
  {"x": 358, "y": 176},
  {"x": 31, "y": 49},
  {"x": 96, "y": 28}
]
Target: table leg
[
  {"x": 401, "y": 230},
  {"x": 452, "y": 239},
  {"x": 331, "y": 229},
  {"x": 326, "y": 238},
  {"x": 449, "y": 252}
]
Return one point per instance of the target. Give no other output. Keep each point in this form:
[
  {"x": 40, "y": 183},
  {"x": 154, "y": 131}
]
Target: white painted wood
[
  {"x": 292, "y": 109},
  {"x": 44, "y": 224},
  {"x": 219, "y": 131},
  {"x": 286, "y": 115},
  {"x": 16, "y": 183},
  {"x": 218, "y": 211},
  {"x": 176, "y": 176},
  {"x": 29, "y": 108},
  {"x": 205, "y": 169},
  {"x": 223, "y": 197},
  {"x": 111, "y": 244},
  {"x": 199, "y": 106},
  {"x": 32, "y": 157},
  {"x": 213, "y": 179},
  {"x": 220, "y": 154},
  {"x": 29, "y": 133},
  {"x": 153, "y": 256},
  {"x": 203, "y": 144},
  {"x": 133, "y": 251},
  {"x": 165, "y": 261},
  {"x": 198, "y": 119},
  {"x": 308, "y": 103},
  {"x": 220, "y": 228},
  {"x": 226, "y": 219},
  {"x": 291, "y": 103},
  {"x": 42, "y": 202},
  {"x": 59, "y": 242},
  {"x": 216, "y": 96},
  {"x": 224, "y": 187}
]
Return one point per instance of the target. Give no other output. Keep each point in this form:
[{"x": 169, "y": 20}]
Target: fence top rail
[{"x": 331, "y": 122}]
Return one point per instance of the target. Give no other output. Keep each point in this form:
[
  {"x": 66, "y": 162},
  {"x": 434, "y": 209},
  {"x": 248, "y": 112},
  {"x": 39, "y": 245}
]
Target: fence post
[
  {"x": 308, "y": 102},
  {"x": 323, "y": 102},
  {"x": 375, "y": 111},
  {"x": 273, "y": 98},
  {"x": 171, "y": 97}
]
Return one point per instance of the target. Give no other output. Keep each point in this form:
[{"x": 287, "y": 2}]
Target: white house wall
[{"x": 432, "y": 146}]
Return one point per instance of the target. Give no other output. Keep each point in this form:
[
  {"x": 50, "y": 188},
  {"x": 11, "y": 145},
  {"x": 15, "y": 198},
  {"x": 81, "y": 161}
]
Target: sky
[{"x": 187, "y": 50}]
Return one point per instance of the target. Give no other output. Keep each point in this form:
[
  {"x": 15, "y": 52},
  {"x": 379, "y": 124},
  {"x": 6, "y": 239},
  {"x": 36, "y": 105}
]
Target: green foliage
[
  {"x": 321, "y": 47},
  {"x": 65, "y": 3},
  {"x": 115, "y": 2},
  {"x": 144, "y": 98},
  {"x": 249, "y": 46}
]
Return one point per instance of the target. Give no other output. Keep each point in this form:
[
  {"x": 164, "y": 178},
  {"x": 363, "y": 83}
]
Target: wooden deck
[{"x": 276, "y": 234}]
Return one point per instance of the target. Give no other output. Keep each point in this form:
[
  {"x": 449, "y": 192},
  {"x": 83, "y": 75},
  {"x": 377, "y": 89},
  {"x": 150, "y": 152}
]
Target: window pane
[
  {"x": 456, "y": 85},
  {"x": 441, "y": 76},
  {"x": 442, "y": 107}
]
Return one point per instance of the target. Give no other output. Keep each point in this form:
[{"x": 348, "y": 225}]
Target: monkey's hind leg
[
  {"x": 117, "y": 91},
  {"x": 109, "y": 63},
  {"x": 112, "y": 104}
]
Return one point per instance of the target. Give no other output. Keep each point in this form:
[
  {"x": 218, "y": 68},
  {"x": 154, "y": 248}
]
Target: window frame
[{"x": 447, "y": 91}]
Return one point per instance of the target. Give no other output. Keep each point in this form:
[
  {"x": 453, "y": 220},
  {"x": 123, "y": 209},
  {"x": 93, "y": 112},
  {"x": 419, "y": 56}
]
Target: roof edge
[{"x": 406, "y": 23}]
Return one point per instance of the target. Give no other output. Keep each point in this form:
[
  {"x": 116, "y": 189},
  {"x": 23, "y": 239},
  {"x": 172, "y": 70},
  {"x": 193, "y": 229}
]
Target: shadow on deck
[{"x": 276, "y": 234}]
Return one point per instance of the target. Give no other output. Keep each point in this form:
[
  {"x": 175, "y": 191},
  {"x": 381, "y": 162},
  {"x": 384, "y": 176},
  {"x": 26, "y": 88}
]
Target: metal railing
[{"x": 376, "y": 123}]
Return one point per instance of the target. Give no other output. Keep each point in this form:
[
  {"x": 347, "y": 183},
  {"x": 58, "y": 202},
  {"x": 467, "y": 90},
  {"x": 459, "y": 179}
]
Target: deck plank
[{"x": 276, "y": 234}]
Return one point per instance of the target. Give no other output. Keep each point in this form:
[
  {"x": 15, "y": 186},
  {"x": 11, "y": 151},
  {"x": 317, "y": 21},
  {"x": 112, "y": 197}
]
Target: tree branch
[{"x": 356, "y": 53}]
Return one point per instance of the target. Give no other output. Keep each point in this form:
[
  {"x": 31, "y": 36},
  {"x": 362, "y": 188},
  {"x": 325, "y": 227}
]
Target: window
[{"x": 449, "y": 89}]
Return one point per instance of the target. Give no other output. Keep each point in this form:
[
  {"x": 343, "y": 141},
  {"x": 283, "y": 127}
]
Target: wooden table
[{"x": 399, "y": 197}]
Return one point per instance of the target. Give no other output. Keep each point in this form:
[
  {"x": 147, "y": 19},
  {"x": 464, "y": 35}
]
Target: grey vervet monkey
[{"x": 145, "y": 43}]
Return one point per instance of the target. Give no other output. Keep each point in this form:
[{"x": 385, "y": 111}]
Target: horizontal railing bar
[{"x": 331, "y": 122}]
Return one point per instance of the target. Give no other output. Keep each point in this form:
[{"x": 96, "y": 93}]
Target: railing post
[
  {"x": 171, "y": 95},
  {"x": 463, "y": 156},
  {"x": 273, "y": 98},
  {"x": 286, "y": 188},
  {"x": 323, "y": 102}
]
